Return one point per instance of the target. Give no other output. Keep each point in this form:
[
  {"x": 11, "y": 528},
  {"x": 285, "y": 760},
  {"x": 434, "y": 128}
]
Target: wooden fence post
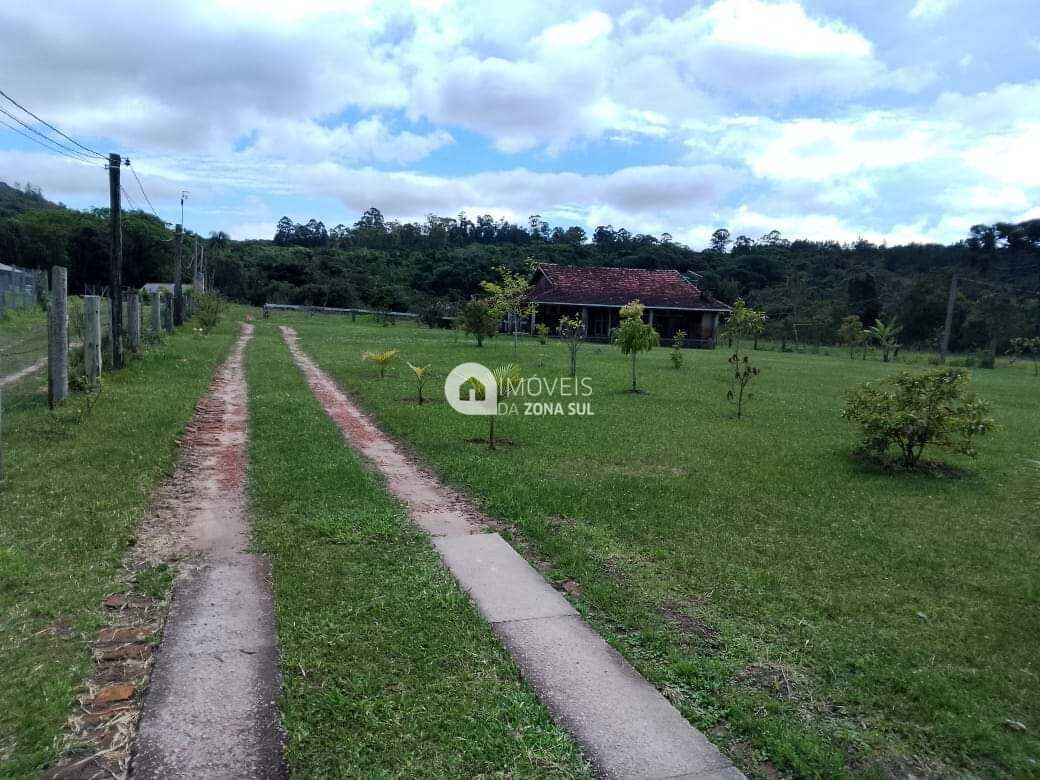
[
  {"x": 92, "y": 338},
  {"x": 58, "y": 338},
  {"x": 134, "y": 321}
]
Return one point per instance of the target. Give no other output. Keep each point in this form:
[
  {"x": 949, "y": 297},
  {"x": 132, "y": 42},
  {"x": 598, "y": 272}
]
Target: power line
[
  {"x": 52, "y": 127},
  {"x": 65, "y": 151},
  {"x": 128, "y": 199},
  {"x": 141, "y": 187}
]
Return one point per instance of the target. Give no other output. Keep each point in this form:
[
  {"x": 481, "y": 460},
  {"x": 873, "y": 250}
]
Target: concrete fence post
[
  {"x": 168, "y": 313},
  {"x": 92, "y": 338},
  {"x": 134, "y": 322},
  {"x": 156, "y": 314},
  {"x": 58, "y": 338}
]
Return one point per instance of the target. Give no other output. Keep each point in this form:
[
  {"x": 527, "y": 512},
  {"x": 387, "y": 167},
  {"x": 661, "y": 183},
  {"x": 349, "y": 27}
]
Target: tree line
[{"x": 805, "y": 287}]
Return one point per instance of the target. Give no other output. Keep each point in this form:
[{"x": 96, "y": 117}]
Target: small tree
[
  {"x": 852, "y": 334},
  {"x": 913, "y": 410},
  {"x": 506, "y": 379},
  {"x": 422, "y": 376},
  {"x": 478, "y": 320},
  {"x": 677, "y": 344},
  {"x": 744, "y": 323},
  {"x": 382, "y": 359},
  {"x": 743, "y": 373},
  {"x": 572, "y": 331},
  {"x": 634, "y": 335},
  {"x": 886, "y": 337},
  {"x": 543, "y": 333},
  {"x": 508, "y": 298}
]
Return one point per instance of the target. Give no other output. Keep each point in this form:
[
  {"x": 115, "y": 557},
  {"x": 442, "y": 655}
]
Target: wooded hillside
[{"x": 806, "y": 287}]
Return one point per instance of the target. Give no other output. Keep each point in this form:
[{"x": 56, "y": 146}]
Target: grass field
[
  {"x": 810, "y": 612},
  {"x": 23, "y": 339},
  {"x": 76, "y": 484},
  {"x": 388, "y": 671}
]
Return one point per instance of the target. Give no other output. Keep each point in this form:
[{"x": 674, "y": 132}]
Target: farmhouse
[{"x": 596, "y": 294}]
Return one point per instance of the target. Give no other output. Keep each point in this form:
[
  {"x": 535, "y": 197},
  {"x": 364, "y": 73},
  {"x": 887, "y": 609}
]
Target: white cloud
[
  {"x": 782, "y": 28},
  {"x": 929, "y": 9}
]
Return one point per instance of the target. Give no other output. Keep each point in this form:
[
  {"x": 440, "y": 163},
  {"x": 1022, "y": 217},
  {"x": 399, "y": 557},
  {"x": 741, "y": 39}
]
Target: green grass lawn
[
  {"x": 76, "y": 484},
  {"x": 23, "y": 339},
  {"x": 808, "y": 611},
  {"x": 388, "y": 671}
]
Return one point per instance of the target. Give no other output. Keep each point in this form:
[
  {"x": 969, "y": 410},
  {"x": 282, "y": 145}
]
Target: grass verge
[
  {"x": 388, "y": 670},
  {"x": 76, "y": 484},
  {"x": 813, "y": 614}
]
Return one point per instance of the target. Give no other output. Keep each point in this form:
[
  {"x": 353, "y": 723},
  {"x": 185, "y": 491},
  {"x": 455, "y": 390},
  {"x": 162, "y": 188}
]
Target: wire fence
[{"x": 20, "y": 288}]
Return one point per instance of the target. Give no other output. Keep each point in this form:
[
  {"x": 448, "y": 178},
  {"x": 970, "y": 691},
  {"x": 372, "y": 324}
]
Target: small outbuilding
[{"x": 596, "y": 294}]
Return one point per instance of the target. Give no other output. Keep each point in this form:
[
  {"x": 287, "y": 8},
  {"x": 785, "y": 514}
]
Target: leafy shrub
[
  {"x": 677, "y": 344},
  {"x": 853, "y": 335},
  {"x": 479, "y": 320},
  {"x": 435, "y": 314},
  {"x": 572, "y": 331},
  {"x": 743, "y": 373},
  {"x": 886, "y": 337},
  {"x": 381, "y": 359},
  {"x": 911, "y": 411},
  {"x": 422, "y": 376},
  {"x": 208, "y": 310},
  {"x": 543, "y": 333}
]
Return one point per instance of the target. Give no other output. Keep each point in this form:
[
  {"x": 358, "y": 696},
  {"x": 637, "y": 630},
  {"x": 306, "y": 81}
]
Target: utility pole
[
  {"x": 178, "y": 300},
  {"x": 116, "y": 260},
  {"x": 944, "y": 345}
]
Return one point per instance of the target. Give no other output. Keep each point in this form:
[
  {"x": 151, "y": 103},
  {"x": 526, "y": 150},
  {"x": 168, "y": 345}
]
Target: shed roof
[{"x": 601, "y": 286}]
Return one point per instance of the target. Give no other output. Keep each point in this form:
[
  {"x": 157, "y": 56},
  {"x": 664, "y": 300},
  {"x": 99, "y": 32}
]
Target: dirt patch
[
  {"x": 773, "y": 678},
  {"x": 691, "y": 628}
]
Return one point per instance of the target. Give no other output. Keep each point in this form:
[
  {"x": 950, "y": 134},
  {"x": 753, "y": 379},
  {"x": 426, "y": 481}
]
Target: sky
[{"x": 891, "y": 120}]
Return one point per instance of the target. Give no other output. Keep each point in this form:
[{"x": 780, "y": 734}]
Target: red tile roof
[{"x": 656, "y": 289}]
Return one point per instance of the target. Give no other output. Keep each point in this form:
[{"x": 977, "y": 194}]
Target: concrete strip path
[
  {"x": 211, "y": 706},
  {"x": 624, "y": 725}
]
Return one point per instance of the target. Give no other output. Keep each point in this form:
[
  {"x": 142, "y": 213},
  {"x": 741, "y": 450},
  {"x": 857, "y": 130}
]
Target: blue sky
[{"x": 903, "y": 120}]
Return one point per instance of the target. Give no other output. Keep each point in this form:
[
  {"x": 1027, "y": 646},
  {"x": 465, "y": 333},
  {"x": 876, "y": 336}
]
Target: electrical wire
[
  {"x": 54, "y": 145},
  {"x": 52, "y": 127},
  {"x": 141, "y": 187}
]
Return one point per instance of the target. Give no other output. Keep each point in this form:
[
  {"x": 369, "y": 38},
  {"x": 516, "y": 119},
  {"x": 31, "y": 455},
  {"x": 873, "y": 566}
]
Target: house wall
[{"x": 699, "y": 325}]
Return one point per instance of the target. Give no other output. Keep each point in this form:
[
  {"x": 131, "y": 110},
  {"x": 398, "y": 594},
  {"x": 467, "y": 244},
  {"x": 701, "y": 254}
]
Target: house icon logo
[{"x": 462, "y": 391}]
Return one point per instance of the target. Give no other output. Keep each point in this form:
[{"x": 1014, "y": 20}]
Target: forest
[{"x": 805, "y": 287}]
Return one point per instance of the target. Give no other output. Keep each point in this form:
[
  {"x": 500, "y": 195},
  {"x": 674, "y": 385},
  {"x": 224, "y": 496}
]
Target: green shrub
[
  {"x": 479, "y": 320},
  {"x": 676, "y": 355},
  {"x": 209, "y": 308},
  {"x": 911, "y": 411},
  {"x": 543, "y": 333}
]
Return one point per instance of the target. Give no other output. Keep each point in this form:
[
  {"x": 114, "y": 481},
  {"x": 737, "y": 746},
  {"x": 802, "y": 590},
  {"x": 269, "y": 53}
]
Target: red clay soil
[{"x": 440, "y": 511}]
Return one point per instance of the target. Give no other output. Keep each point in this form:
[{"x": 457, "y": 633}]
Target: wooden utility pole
[
  {"x": 116, "y": 260},
  {"x": 178, "y": 301},
  {"x": 944, "y": 345}
]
